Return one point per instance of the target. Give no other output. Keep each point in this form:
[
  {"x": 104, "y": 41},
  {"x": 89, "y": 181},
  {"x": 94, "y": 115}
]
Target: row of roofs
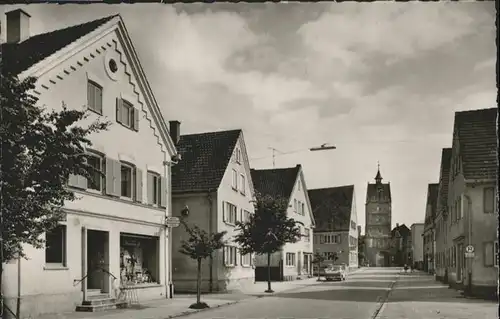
[
  {"x": 205, "y": 156},
  {"x": 475, "y": 141}
]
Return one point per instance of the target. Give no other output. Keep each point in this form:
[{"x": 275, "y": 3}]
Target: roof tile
[
  {"x": 205, "y": 158},
  {"x": 276, "y": 182},
  {"x": 332, "y": 204},
  {"x": 18, "y": 57},
  {"x": 477, "y": 136}
]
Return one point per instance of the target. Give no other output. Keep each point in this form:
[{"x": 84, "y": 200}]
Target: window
[
  {"x": 154, "y": 189},
  {"x": 331, "y": 239},
  {"x": 489, "y": 254},
  {"x": 303, "y": 208},
  {"x": 307, "y": 235},
  {"x": 230, "y": 213},
  {"x": 235, "y": 180},
  {"x": 55, "y": 246},
  {"x": 489, "y": 200},
  {"x": 298, "y": 186},
  {"x": 94, "y": 97},
  {"x": 126, "y": 114},
  {"x": 237, "y": 155},
  {"x": 246, "y": 216},
  {"x": 295, "y": 205},
  {"x": 290, "y": 259},
  {"x": 242, "y": 184},
  {"x": 353, "y": 225},
  {"x": 459, "y": 207},
  {"x": 229, "y": 255},
  {"x": 330, "y": 255},
  {"x": 96, "y": 182},
  {"x": 145, "y": 250},
  {"x": 126, "y": 180},
  {"x": 496, "y": 253},
  {"x": 246, "y": 260}
]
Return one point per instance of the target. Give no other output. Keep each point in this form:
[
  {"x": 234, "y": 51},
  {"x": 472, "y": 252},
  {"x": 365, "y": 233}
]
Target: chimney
[
  {"x": 18, "y": 26},
  {"x": 175, "y": 131},
  {"x": 397, "y": 225}
]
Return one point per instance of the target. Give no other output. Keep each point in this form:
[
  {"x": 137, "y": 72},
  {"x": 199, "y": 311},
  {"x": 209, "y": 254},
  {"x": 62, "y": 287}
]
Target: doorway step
[{"x": 98, "y": 301}]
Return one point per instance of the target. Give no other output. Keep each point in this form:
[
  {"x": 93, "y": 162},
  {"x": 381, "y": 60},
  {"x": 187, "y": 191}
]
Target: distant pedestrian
[
  {"x": 405, "y": 268},
  {"x": 411, "y": 268}
]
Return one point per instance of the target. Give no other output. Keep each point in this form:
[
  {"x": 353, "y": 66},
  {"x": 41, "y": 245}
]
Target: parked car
[{"x": 335, "y": 272}]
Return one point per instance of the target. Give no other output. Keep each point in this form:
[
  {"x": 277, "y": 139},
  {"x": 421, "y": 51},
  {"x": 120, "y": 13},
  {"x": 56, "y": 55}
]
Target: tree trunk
[
  {"x": 1, "y": 293},
  {"x": 269, "y": 273},
  {"x": 319, "y": 271},
  {"x": 198, "y": 285}
]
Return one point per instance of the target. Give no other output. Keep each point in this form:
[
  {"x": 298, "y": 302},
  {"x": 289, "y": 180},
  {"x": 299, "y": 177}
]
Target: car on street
[{"x": 335, "y": 272}]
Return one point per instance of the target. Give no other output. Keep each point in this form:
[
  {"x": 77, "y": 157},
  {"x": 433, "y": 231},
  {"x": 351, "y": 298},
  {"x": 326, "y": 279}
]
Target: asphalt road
[{"x": 357, "y": 298}]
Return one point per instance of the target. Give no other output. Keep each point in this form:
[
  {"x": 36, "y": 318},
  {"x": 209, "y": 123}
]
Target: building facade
[
  {"x": 294, "y": 261},
  {"x": 378, "y": 222},
  {"x": 336, "y": 233},
  {"x": 417, "y": 245},
  {"x": 113, "y": 238},
  {"x": 429, "y": 227},
  {"x": 213, "y": 180},
  {"x": 441, "y": 261},
  {"x": 401, "y": 246},
  {"x": 473, "y": 217}
]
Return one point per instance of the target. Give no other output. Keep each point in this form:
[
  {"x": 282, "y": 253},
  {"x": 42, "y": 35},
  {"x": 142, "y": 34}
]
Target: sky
[{"x": 380, "y": 81}]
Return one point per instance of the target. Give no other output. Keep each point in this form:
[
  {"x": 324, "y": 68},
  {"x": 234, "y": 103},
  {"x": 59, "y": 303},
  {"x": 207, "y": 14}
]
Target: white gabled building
[
  {"x": 294, "y": 261},
  {"x": 118, "y": 222}
]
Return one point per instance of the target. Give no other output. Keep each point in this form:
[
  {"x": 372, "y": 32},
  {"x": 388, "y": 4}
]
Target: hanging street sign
[
  {"x": 173, "y": 222},
  {"x": 469, "y": 255},
  {"x": 469, "y": 249}
]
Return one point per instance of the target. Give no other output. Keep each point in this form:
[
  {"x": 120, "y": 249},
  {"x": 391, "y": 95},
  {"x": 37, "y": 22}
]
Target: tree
[
  {"x": 361, "y": 250},
  {"x": 40, "y": 148},
  {"x": 267, "y": 230},
  {"x": 318, "y": 259},
  {"x": 200, "y": 245}
]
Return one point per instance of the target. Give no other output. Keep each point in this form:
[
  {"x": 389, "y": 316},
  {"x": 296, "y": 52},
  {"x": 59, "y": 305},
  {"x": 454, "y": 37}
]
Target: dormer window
[{"x": 237, "y": 155}]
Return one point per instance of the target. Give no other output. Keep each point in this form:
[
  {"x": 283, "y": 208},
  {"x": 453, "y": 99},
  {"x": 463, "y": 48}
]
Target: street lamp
[{"x": 323, "y": 147}]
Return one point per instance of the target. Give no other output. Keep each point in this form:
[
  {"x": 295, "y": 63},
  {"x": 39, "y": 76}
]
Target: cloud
[{"x": 395, "y": 29}]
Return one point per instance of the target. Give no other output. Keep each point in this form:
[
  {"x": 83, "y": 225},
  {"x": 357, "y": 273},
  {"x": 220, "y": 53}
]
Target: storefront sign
[
  {"x": 131, "y": 242},
  {"x": 469, "y": 255},
  {"x": 172, "y": 222}
]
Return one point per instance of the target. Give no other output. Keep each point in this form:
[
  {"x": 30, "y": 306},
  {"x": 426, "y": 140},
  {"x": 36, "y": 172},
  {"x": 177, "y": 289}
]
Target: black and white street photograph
[{"x": 225, "y": 160}]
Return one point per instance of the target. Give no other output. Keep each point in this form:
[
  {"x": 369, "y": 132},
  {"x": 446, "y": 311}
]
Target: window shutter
[
  {"x": 150, "y": 183},
  {"x": 119, "y": 109},
  {"x": 224, "y": 213},
  {"x": 138, "y": 185},
  {"x": 136, "y": 119},
  {"x": 82, "y": 182},
  {"x": 117, "y": 178},
  {"x": 109, "y": 176},
  {"x": 73, "y": 180},
  {"x": 163, "y": 190}
]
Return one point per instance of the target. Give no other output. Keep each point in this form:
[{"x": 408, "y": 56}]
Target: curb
[
  {"x": 192, "y": 311},
  {"x": 381, "y": 301}
]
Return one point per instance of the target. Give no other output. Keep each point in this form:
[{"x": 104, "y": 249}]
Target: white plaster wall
[
  {"x": 232, "y": 275},
  {"x": 68, "y": 82},
  {"x": 302, "y": 246}
]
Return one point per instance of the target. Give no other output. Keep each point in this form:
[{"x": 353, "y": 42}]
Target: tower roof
[{"x": 378, "y": 177}]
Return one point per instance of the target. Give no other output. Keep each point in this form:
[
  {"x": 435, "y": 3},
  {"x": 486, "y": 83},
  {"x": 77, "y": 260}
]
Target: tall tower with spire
[{"x": 378, "y": 222}]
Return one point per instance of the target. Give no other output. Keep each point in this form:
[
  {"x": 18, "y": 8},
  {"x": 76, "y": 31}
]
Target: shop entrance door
[{"x": 98, "y": 260}]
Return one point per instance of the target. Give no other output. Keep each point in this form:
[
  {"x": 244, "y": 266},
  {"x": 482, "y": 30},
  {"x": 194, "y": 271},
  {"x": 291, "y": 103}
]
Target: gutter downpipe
[
  {"x": 468, "y": 291},
  {"x": 169, "y": 285},
  {"x": 210, "y": 265}
]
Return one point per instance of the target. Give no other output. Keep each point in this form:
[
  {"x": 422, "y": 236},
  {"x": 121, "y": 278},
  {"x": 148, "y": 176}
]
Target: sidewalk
[
  {"x": 178, "y": 306},
  {"x": 418, "y": 295}
]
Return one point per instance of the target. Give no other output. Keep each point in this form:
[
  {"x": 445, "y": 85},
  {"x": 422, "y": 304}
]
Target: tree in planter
[
  {"x": 40, "y": 148},
  {"x": 318, "y": 259},
  {"x": 268, "y": 230},
  {"x": 199, "y": 246}
]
